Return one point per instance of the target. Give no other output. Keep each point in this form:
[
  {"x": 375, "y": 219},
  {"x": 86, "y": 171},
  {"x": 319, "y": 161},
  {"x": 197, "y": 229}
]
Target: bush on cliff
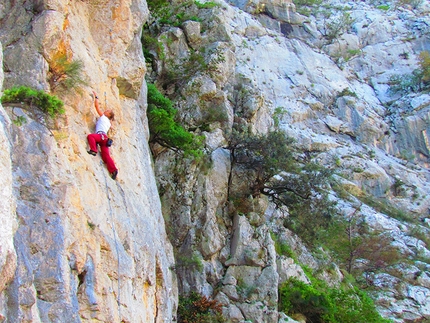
[
  {"x": 418, "y": 80},
  {"x": 165, "y": 131},
  {"x": 196, "y": 308},
  {"x": 277, "y": 170},
  {"x": 30, "y": 99},
  {"x": 320, "y": 303}
]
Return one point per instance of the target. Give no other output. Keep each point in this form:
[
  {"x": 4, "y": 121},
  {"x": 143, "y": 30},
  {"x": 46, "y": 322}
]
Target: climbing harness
[{"x": 116, "y": 238}]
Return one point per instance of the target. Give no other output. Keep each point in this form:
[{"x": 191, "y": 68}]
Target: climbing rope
[{"x": 115, "y": 236}]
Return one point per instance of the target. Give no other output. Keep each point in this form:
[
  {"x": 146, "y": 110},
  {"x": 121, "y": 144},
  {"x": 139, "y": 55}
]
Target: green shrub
[
  {"x": 351, "y": 305},
  {"x": 163, "y": 128},
  {"x": 418, "y": 80},
  {"x": 405, "y": 83},
  {"x": 282, "y": 248},
  {"x": 65, "y": 74},
  {"x": 320, "y": 303},
  {"x": 296, "y": 297},
  {"x": 305, "y": 7},
  {"x": 195, "y": 308},
  {"x": 190, "y": 261},
  {"x": 301, "y": 185},
  {"x": 206, "y": 5},
  {"x": 29, "y": 99},
  {"x": 167, "y": 13},
  {"x": 424, "y": 62},
  {"x": 305, "y": 193},
  {"x": 335, "y": 27},
  {"x": 277, "y": 115},
  {"x": 347, "y": 92},
  {"x": 384, "y": 7}
]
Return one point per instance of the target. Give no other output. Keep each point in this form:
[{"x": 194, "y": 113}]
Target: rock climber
[{"x": 100, "y": 137}]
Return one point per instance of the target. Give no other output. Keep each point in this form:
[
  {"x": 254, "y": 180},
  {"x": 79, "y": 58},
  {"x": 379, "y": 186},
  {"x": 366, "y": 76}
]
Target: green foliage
[
  {"x": 335, "y": 27},
  {"x": 206, "y": 5},
  {"x": 163, "y": 128},
  {"x": 384, "y": 7},
  {"x": 279, "y": 112},
  {"x": 194, "y": 261},
  {"x": 351, "y": 53},
  {"x": 298, "y": 297},
  {"x": 305, "y": 7},
  {"x": 30, "y": 99},
  {"x": 320, "y": 303},
  {"x": 353, "y": 306},
  {"x": 305, "y": 192},
  {"x": 282, "y": 248},
  {"x": 418, "y": 80},
  {"x": 350, "y": 239},
  {"x": 19, "y": 121},
  {"x": 302, "y": 186},
  {"x": 405, "y": 83},
  {"x": 151, "y": 44},
  {"x": 171, "y": 14},
  {"x": 65, "y": 74},
  {"x": 195, "y": 308},
  {"x": 347, "y": 92},
  {"x": 424, "y": 62},
  {"x": 266, "y": 155}
]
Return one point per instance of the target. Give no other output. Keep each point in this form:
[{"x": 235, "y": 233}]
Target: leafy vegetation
[
  {"x": 350, "y": 239},
  {"x": 189, "y": 261},
  {"x": 31, "y": 100},
  {"x": 276, "y": 171},
  {"x": 335, "y": 27},
  {"x": 384, "y": 7},
  {"x": 320, "y": 303},
  {"x": 163, "y": 128},
  {"x": 305, "y": 7},
  {"x": 206, "y": 5},
  {"x": 196, "y": 308},
  {"x": 65, "y": 74},
  {"x": 418, "y": 80},
  {"x": 282, "y": 248},
  {"x": 167, "y": 13},
  {"x": 265, "y": 155}
]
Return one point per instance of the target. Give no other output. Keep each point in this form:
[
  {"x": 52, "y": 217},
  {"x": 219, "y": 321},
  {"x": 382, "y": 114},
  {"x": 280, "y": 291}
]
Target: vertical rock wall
[
  {"x": 7, "y": 204},
  {"x": 87, "y": 247}
]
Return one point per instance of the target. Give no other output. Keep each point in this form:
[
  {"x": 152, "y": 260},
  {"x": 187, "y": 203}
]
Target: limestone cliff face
[
  {"x": 332, "y": 95},
  {"x": 77, "y": 246}
]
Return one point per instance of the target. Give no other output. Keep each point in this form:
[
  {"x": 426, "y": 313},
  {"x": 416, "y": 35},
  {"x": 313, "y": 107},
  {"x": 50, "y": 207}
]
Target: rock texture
[
  {"x": 7, "y": 213},
  {"x": 85, "y": 248},
  {"x": 328, "y": 89},
  {"x": 76, "y": 246}
]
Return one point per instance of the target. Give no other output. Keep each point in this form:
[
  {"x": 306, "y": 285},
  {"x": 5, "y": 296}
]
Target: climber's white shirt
[{"x": 103, "y": 124}]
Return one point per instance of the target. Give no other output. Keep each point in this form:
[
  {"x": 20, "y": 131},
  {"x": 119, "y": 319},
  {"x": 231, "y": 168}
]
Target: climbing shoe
[
  {"x": 92, "y": 152},
  {"x": 114, "y": 174}
]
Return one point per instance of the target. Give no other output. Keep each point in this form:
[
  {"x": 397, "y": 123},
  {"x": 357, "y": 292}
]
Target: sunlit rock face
[{"x": 76, "y": 245}]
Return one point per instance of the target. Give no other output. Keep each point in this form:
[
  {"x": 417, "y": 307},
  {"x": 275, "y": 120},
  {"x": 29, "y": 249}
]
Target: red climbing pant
[{"x": 101, "y": 139}]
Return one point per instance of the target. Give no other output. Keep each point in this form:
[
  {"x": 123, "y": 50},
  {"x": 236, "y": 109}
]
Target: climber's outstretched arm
[{"x": 96, "y": 104}]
